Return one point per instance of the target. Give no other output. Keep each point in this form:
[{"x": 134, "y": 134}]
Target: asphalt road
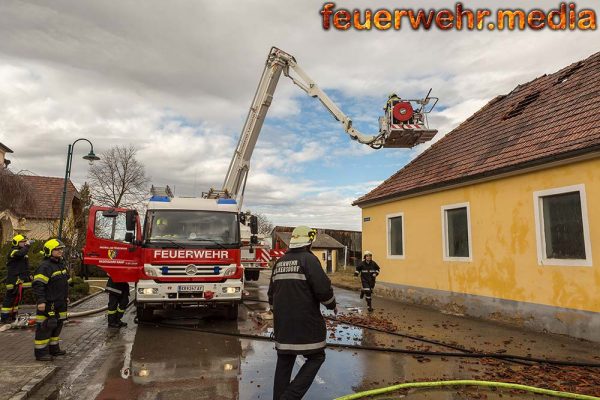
[{"x": 150, "y": 362}]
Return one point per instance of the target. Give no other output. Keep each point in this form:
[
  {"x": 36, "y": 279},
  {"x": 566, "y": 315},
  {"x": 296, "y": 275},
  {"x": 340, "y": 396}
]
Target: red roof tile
[
  {"x": 48, "y": 195},
  {"x": 553, "y": 117}
]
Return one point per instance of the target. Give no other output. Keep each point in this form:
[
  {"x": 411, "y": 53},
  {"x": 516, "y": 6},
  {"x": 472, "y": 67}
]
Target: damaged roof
[{"x": 553, "y": 117}]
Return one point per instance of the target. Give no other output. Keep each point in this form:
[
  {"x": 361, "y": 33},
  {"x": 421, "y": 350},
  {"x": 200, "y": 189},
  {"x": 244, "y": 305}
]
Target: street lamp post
[{"x": 91, "y": 157}]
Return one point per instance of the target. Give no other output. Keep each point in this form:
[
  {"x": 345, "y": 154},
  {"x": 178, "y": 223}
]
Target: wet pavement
[{"x": 157, "y": 362}]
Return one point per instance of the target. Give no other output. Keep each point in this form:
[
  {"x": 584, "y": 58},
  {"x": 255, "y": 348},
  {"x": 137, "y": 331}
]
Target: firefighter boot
[
  {"x": 369, "y": 304},
  {"x": 362, "y": 293},
  {"x": 56, "y": 351}
]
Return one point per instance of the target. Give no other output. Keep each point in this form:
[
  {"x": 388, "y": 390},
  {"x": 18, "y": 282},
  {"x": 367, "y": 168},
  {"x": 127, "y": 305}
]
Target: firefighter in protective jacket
[
  {"x": 51, "y": 289},
  {"x": 368, "y": 271},
  {"x": 18, "y": 277},
  {"x": 297, "y": 289},
  {"x": 118, "y": 298}
]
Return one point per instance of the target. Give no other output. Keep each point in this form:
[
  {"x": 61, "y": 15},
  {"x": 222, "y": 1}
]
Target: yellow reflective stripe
[
  {"x": 41, "y": 344},
  {"x": 41, "y": 277},
  {"x": 119, "y": 309},
  {"x": 51, "y": 314},
  {"x": 70, "y": 280},
  {"x": 12, "y": 253},
  {"x": 109, "y": 312},
  {"x": 10, "y": 286},
  {"x": 54, "y": 340},
  {"x": 6, "y": 309},
  {"x": 62, "y": 315},
  {"x": 26, "y": 284},
  {"x": 57, "y": 273},
  {"x": 40, "y": 318}
]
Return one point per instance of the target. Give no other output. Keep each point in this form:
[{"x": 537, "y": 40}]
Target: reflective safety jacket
[
  {"x": 368, "y": 271},
  {"x": 297, "y": 289},
  {"x": 17, "y": 266},
  {"x": 51, "y": 282}
]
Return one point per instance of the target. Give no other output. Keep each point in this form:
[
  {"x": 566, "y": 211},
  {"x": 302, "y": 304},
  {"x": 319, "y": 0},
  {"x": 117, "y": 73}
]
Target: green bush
[{"x": 78, "y": 290}]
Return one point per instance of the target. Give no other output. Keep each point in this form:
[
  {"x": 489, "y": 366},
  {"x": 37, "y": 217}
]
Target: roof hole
[
  {"x": 518, "y": 109},
  {"x": 567, "y": 74}
]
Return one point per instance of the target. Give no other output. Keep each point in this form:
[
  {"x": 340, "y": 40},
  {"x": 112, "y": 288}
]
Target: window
[
  {"x": 395, "y": 236},
  {"x": 562, "y": 230},
  {"x": 456, "y": 232},
  {"x": 112, "y": 228}
]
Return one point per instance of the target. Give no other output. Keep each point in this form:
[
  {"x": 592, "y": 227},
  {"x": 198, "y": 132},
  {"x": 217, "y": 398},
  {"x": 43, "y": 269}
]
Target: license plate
[{"x": 190, "y": 288}]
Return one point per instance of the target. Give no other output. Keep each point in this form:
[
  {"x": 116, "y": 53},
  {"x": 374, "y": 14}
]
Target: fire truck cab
[{"x": 186, "y": 252}]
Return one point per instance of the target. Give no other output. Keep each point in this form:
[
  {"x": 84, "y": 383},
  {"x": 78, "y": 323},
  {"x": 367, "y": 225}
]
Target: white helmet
[
  {"x": 302, "y": 236},
  {"x": 367, "y": 253}
]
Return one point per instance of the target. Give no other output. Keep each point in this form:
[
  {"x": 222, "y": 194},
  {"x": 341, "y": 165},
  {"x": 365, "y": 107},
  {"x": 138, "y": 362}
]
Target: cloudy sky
[{"x": 176, "y": 78}]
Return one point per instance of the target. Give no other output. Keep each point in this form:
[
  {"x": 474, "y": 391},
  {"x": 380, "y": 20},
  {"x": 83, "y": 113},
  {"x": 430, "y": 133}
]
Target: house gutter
[{"x": 513, "y": 170}]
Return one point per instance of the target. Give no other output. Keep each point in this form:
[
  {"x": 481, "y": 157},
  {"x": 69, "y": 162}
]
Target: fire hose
[
  {"x": 490, "y": 384},
  {"x": 512, "y": 386},
  {"x": 467, "y": 352}
]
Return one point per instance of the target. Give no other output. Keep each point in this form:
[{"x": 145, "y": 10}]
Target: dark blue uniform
[
  {"x": 18, "y": 277},
  {"x": 297, "y": 289},
  {"x": 50, "y": 286}
]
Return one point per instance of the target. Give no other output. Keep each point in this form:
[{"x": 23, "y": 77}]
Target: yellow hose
[{"x": 503, "y": 385}]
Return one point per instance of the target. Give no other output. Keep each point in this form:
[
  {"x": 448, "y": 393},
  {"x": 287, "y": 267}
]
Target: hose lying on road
[
  {"x": 502, "y": 385},
  {"x": 504, "y": 357},
  {"x": 467, "y": 352},
  {"x": 91, "y": 312}
]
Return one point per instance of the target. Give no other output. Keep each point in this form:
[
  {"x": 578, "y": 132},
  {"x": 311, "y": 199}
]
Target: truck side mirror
[
  {"x": 253, "y": 239},
  {"x": 129, "y": 237},
  {"x": 130, "y": 220},
  {"x": 253, "y": 224}
]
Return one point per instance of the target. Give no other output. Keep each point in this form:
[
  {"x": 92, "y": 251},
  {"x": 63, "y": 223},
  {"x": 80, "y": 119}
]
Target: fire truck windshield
[{"x": 179, "y": 228}]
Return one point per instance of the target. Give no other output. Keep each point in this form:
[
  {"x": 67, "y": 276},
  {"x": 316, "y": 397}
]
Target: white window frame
[
  {"x": 388, "y": 239},
  {"x": 445, "y": 251},
  {"x": 539, "y": 227}
]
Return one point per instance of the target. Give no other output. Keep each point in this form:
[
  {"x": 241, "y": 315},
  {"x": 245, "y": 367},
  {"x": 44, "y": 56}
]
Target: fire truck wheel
[
  {"x": 232, "y": 312},
  {"x": 144, "y": 314}
]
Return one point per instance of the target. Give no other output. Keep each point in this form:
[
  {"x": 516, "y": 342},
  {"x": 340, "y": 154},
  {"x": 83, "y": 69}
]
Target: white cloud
[{"x": 176, "y": 79}]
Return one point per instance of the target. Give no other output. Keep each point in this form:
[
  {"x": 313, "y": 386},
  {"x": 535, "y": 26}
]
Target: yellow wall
[
  {"x": 322, "y": 256},
  {"x": 504, "y": 251}
]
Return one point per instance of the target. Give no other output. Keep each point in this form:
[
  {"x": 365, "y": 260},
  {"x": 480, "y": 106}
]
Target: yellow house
[{"x": 500, "y": 218}]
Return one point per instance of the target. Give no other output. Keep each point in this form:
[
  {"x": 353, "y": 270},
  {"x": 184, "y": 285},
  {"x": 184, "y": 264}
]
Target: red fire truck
[{"x": 187, "y": 253}]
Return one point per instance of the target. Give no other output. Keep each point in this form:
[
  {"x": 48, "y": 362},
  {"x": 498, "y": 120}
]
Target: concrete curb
[{"x": 34, "y": 383}]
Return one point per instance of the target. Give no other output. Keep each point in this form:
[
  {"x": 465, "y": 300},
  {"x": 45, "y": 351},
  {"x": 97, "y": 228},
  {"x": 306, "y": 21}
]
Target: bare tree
[
  {"x": 265, "y": 226},
  {"x": 119, "y": 179},
  {"x": 15, "y": 194}
]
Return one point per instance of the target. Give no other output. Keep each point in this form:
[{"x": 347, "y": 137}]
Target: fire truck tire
[
  {"x": 232, "y": 312},
  {"x": 144, "y": 314}
]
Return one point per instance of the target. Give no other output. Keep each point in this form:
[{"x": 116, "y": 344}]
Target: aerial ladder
[{"x": 403, "y": 125}]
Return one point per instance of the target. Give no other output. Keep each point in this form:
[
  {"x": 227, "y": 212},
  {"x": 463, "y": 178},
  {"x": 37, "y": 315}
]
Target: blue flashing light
[
  {"x": 164, "y": 199},
  {"x": 226, "y": 201},
  {"x": 217, "y": 270}
]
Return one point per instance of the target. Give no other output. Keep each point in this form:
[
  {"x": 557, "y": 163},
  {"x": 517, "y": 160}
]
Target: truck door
[{"x": 113, "y": 245}]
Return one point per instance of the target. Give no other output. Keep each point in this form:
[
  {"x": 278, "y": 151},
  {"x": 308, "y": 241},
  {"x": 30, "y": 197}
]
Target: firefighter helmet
[
  {"x": 18, "y": 239},
  {"x": 367, "y": 253},
  {"x": 161, "y": 221},
  {"x": 302, "y": 236},
  {"x": 51, "y": 245}
]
